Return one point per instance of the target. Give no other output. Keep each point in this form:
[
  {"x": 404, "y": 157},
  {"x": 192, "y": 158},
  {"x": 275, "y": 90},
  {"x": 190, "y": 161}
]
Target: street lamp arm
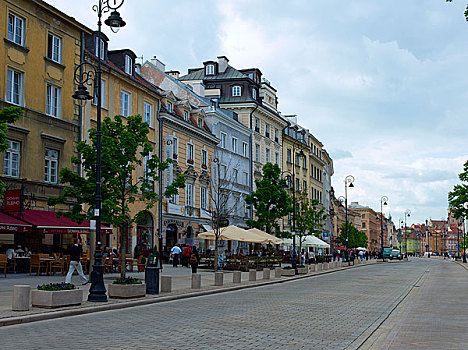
[{"x": 104, "y": 6}]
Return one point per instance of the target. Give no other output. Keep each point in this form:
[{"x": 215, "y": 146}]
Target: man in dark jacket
[{"x": 75, "y": 264}]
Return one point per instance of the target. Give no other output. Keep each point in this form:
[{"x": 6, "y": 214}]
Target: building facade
[{"x": 370, "y": 225}]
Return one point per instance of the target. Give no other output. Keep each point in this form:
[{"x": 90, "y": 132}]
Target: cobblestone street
[{"x": 331, "y": 311}]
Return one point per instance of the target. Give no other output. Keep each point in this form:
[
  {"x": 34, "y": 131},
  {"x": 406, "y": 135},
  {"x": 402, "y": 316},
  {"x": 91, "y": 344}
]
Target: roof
[{"x": 199, "y": 74}]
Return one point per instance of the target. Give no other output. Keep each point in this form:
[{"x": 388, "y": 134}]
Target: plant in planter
[
  {"x": 288, "y": 271},
  {"x": 301, "y": 269},
  {"x": 56, "y": 295},
  {"x": 127, "y": 287}
]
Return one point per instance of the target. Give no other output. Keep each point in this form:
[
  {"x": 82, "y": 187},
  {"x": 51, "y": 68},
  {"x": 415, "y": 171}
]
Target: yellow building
[
  {"x": 125, "y": 92},
  {"x": 40, "y": 49}
]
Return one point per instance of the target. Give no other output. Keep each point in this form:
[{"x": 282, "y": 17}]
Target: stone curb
[
  {"x": 462, "y": 265},
  {"x": 9, "y": 321}
]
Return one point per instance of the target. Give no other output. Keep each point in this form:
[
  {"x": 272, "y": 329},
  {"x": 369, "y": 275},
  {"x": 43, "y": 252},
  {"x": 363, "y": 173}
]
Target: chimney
[
  {"x": 222, "y": 64},
  {"x": 174, "y": 73},
  {"x": 158, "y": 64}
]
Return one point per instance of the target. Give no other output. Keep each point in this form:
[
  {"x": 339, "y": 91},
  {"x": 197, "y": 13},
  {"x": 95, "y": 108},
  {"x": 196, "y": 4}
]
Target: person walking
[
  {"x": 194, "y": 259},
  {"x": 75, "y": 264},
  {"x": 175, "y": 255},
  {"x": 186, "y": 255}
]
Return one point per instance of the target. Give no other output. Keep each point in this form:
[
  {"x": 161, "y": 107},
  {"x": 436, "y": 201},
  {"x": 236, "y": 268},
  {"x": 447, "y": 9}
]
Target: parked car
[
  {"x": 387, "y": 252},
  {"x": 396, "y": 254}
]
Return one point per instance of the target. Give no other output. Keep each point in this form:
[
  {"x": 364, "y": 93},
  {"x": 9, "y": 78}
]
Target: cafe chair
[{"x": 36, "y": 263}]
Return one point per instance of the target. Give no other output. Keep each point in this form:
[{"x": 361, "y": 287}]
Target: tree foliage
[
  {"x": 8, "y": 115},
  {"x": 459, "y": 195},
  {"x": 309, "y": 217},
  {"x": 466, "y": 11},
  {"x": 356, "y": 238},
  {"x": 270, "y": 201},
  {"x": 125, "y": 152}
]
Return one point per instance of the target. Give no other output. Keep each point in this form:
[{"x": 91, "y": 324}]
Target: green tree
[
  {"x": 125, "y": 149},
  {"x": 8, "y": 115},
  {"x": 356, "y": 238},
  {"x": 466, "y": 11},
  {"x": 270, "y": 201},
  {"x": 459, "y": 195},
  {"x": 309, "y": 217}
]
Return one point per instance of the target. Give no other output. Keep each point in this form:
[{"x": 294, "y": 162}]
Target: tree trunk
[{"x": 215, "y": 264}]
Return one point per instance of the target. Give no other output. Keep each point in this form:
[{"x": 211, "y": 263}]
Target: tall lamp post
[
  {"x": 348, "y": 182},
  {"x": 465, "y": 205},
  {"x": 407, "y": 215},
  {"x": 383, "y": 201},
  {"x": 293, "y": 176},
  {"x": 97, "y": 291}
]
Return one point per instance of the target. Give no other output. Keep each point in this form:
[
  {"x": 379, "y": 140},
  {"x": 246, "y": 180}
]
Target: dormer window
[
  {"x": 169, "y": 107},
  {"x": 186, "y": 116},
  {"x": 236, "y": 90},
  {"x": 100, "y": 53},
  {"x": 210, "y": 69},
  {"x": 128, "y": 65},
  {"x": 254, "y": 93},
  {"x": 200, "y": 123}
]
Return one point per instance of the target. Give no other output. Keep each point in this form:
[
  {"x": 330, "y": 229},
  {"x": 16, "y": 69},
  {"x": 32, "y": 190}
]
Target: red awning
[
  {"x": 12, "y": 225},
  {"x": 48, "y": 222}
]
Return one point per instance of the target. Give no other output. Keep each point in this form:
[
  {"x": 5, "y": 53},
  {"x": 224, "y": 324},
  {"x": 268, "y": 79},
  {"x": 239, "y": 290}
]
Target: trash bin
[{"x": 152, "y": 279}]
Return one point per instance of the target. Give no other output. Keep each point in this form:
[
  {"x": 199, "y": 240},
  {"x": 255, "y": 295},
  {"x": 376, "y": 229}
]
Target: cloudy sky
[{"x": 383, "y": 84}]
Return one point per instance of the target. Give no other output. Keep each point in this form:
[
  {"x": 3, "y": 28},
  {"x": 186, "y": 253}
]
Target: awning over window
[
  {"x": 10, "y": 224},
  {"x": 48, "y": 222}
]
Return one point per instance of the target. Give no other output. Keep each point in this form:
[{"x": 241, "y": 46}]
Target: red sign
[{"x": 13, "y": 200}]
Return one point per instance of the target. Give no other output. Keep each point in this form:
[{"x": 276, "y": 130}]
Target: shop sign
[
  {"x": 14, "y": 228},
  {"x": 13, "y": 200}
]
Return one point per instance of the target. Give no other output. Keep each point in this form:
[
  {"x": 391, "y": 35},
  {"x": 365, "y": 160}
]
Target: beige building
[{"x": 370, "y": 225}]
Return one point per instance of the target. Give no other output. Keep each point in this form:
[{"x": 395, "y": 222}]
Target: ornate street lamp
[
  {"x": 383, "y": 201},
  {"x": 97, "y": 291}
]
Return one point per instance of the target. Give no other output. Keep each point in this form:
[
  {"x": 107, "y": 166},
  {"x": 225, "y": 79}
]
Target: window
[
  {"x": 288, "y": 156},
  {"x": 246, "y": 178},
  {"x": 257, "y": 125},
  {"x": 148, "y": 113},
  {"x": 257, "y": 153},
  {"x": 189, "y": 197},
  {"x": 204, "y": 157},
  {"x": 200, "y": 123},
  {"x": 363, "y": 216},
  {"x": 169, "y": 107},
  {"x": 234, "y": 144},
  {"x": 277, "y": 158},
  {"x": 203, "y": 197},
  {"x": 276, "y": 135},
  {"x": 175, "y": 148},
  {"x": 244, "y": 149},
  {"x": 128, "y": 65},
  {"x": 267, "y": 155},
  {"x": 190, "y": 152},
  {"x": 223, "y": 140},
  {"x": 54, "y": 48},
  {"x": 16, "y": 29},
  {"x": 254, "y": 93},
  {"x": 304, "y": 185},
  {"x": 100, "y": 50},
  {"x": 267, "y": 130},
  {"x": 51, "y": 166},
  {"x": 209, "y": 69},
  {"x": 174, "y": 199},
  {"x": 146, "y": 175},
  {"x": 223, "y": 172},
  {"x": 53, "y": 101},
  {"x": 125, "y": 103},
  {"x": 235, "y": 208},
  {"x": 297, "y": 185},
  {"x": 235, "y": 174},
  {"x": 304, "y": 162},
  {"x": 236, "y": 90},
  {"x": 11, "y": 162},
  {"x": 186, "y": 116},
  {"x": 297, "y": 159},
  {"x": 103, "y": 95},
  {"x": 363, "y": 225},
  {"x": 15, "y": 87}
]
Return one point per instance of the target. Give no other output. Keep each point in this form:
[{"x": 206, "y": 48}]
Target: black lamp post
[
  {"x": 349, "y": 182},
  {"x": 97, "y": 291},
  {"x": 465, "y": 205},
  {"x": 383, "y": 201},
  {"x": 293, "y": 176},
  {"x": 407, "y": 215}
]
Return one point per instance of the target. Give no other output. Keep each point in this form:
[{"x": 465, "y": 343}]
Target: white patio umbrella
[{"x": 308, "y": 241}]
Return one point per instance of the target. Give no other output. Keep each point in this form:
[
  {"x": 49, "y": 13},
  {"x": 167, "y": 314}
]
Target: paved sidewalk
[{"x": 181, "y": 287}]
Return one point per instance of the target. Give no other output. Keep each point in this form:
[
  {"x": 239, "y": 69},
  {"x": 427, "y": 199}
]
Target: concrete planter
[
  {"x": 287, "y": 272},
  {"x": 126, "y": 290},
  {"x": 302, "y": 270},
  {"x": 51, "y": 299}
]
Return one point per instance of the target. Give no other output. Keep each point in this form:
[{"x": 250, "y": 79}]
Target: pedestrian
[
  {"x": 175, "y": 251},
  {"x": 75, "y": 264},
  {"x": 186, "y": 255},
  {"x": 194, "y": 259}
]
